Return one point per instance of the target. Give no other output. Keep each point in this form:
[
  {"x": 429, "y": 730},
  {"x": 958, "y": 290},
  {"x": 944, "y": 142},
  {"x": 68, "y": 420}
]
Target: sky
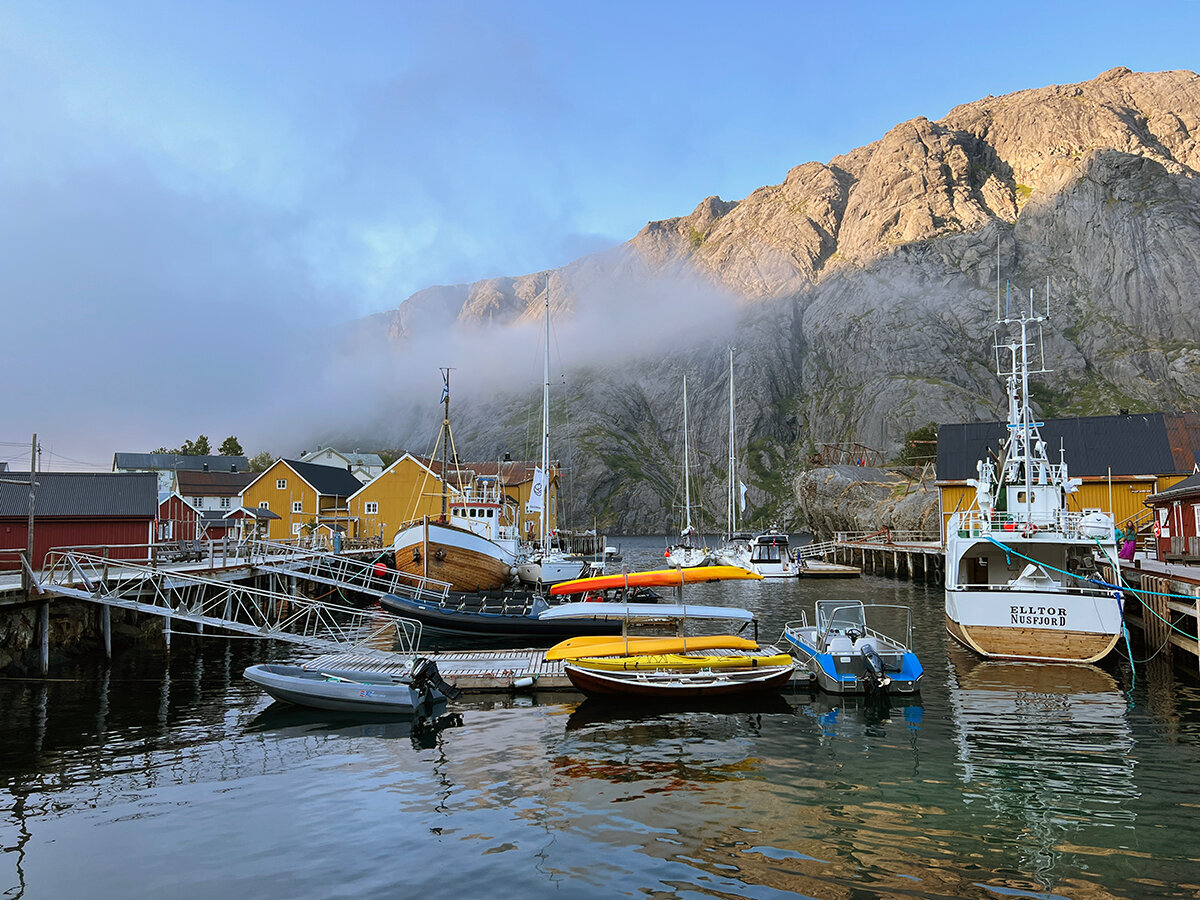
[{"x": 193, "y": 195}]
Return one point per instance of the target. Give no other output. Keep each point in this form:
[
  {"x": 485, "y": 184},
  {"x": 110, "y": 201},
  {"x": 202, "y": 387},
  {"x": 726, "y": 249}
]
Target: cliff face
[{"x": 860, "y": 294}]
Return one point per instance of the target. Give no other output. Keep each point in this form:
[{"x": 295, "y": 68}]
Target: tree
[
  {"x": 920, "y": 446},
  {"x": 231, "y": 447},
  {"x": 260, "y": 462},
  {"x": 198, "y": 447},
  {"x": 389, "y": 457}
]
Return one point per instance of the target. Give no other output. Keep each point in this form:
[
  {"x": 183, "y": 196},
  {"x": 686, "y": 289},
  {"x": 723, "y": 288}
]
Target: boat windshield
[{"x": 839, "y": 616}]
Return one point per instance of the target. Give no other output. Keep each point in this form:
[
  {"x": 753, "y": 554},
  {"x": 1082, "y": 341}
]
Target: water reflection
[
  {"x": 1044, "y": 752},
  {"x": 283, "y": 720}
]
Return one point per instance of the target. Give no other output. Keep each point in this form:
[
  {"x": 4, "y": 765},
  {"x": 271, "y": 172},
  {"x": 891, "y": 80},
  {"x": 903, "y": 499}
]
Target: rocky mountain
[{"x": 860, "y": 294}]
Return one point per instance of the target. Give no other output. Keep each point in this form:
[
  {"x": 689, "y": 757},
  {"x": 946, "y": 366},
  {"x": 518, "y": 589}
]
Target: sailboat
[
  {"x": 542, "y": 565},
  {"x": 687, "y": 552},
  {"x": 735, "y": 550},
  {"x": 1011, "y": 559},
  {"x": 466, "y": 546}
]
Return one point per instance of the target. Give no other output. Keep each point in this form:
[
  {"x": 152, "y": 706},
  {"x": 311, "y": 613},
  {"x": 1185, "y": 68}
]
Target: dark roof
[
  {"x": 175, "y": 461},
  {"x": 329, "y": 481},
  {"x": 83, "y": 494},
  {"x": 251, "y": 512},
  {"x": 1185, "y": 488},
  {"x": 213, "y": 484},
  {"x": 1131, "y": 445}
]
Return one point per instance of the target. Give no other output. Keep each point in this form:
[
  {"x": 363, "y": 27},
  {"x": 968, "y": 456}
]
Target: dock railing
[{"x": 194, "y": 597}]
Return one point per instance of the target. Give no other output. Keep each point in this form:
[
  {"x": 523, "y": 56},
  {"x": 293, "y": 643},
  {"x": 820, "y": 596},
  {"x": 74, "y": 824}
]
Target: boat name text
[{"x": 1038, "y": 615}]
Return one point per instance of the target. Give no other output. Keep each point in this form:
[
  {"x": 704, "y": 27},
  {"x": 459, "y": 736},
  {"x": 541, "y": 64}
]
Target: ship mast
[
  {"x": 546, "y": 429},
  {"x": 445, "y": 432}
]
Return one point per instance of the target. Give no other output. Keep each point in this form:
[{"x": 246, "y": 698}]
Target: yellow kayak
[
  {"x": 656, "y": 578},
  {"x": 637, "y": 645},
  {"x": 680, "y": 662}
]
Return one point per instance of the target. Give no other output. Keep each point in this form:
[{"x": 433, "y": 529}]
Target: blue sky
[{"x": 167, "y": 169}]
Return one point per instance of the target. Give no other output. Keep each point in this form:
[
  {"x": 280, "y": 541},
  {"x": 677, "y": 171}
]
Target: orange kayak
[{"x": 656, "y": 578}]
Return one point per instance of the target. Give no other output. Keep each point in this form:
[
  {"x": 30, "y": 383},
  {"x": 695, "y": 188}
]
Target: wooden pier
[
  {"x": 1163, "y": 602},
  {"x": 896, "y": 554}
]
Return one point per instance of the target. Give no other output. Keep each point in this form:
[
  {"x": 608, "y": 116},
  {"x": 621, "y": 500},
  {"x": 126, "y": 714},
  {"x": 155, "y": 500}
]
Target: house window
[
  {"x": 198, "y": 502},
  {"x": 371, "y": 508},
  {"x": 263, "y": 504},
  {"x": 281, "y": 483},
  {"x": 296, "y": 528},
  {"x": 224, "y": 503},
  {"x": 297, "y": 506}
]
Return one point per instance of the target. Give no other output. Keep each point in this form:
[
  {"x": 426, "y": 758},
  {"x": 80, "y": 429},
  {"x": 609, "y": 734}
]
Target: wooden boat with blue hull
[
  {"x": 491, "y": 614},
  {"x": 848, "y": 652},
  {"x": 354, "y": 690}
]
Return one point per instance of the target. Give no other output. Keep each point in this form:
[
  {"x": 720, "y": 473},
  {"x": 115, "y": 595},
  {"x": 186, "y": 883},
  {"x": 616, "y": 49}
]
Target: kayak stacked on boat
[
  {"x": 668, "y": 666},
  {"x": 849, "y": 652}
]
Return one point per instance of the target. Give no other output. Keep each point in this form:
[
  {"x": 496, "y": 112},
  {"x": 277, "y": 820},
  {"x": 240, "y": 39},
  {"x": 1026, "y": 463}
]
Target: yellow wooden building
[
  {"x": 1121, "y": 460},
  {"x": 411, "y": 487},
  {"x": 304, "y": 496}
]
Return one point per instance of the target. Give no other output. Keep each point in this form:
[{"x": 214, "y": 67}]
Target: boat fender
[
  {"x": 439, "y": 554},
  {"x": 523, "y": 683},
  {"x": 416, "y": 554}
]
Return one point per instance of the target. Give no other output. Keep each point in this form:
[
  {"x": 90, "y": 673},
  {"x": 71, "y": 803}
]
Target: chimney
[
  {"x": 233, "y": 467},
  {"x": 205, "y": 466}
]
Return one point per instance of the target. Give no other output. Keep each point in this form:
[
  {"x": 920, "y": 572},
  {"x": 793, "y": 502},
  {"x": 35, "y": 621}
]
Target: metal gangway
[
  {"x": 347, "y": 573},
  {"x": 210, "y": 602},
  {"x": 816, "y": 550}
]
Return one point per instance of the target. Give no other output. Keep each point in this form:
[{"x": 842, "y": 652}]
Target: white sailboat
[
  {"x": 1011, "y": 559},
  {"x": 541, "y": 564},
  {"x": 688, "y": 552},
  {"x": 735, "y": 550}
]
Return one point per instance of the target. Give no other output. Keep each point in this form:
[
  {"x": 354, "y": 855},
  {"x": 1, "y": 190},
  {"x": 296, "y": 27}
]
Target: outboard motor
[
  {"x": 876, "y": 678},
  {"x": 426, "y": 678}
]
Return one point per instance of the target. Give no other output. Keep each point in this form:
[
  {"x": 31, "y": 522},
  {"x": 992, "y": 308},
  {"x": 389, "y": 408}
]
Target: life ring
[
  {"x": 1030, "y": 529},
  {"x": 1156, "y": 529}
]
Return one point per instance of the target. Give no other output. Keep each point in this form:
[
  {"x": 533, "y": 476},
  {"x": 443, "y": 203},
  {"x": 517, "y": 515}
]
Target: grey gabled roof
[
  {"x": 173, "y": 462},
  {"x": 1131, "y": 445},
  {"x": 329, "y": 481},
  {"x": 1187, "y": 487},
  {"x": 82, "y": 494}
]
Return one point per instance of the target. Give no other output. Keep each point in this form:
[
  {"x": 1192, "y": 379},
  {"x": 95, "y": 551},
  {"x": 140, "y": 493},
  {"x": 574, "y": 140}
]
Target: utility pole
[{"x": 28, "y": 578}]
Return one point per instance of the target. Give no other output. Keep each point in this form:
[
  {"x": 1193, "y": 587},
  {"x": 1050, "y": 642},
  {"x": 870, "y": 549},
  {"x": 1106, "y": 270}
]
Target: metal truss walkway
[{"x": 207, "y": 601}]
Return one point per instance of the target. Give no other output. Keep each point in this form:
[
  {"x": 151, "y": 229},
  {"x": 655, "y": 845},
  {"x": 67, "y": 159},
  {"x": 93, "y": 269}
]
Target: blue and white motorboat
[{"x": 848, "y": 651}]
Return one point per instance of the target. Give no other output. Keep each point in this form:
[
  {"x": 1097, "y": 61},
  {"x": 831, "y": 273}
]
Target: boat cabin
[{"x": 770, "y": 547}]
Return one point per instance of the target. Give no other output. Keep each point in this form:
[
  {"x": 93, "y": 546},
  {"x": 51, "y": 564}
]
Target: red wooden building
[
  {"x": 1177, "y": 521},
  {"x": 109, "y": 513},
  {"x": 178, "y": 520}
]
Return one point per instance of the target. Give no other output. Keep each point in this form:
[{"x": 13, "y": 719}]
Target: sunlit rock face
[{"x": 860, "y": 295}]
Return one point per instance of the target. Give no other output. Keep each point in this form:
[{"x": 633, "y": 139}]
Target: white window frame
[
  {"x": 297, "y": 506},
  {"x": 225, "y": 503},
  {"x": 263, "y": 504},
  {"x": 281, "y": 484},
  {"x": 296, "y": 528},
  {"x": 371, "y": 508}
]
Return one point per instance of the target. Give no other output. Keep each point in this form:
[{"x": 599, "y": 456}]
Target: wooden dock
[{"x": 489, "y": 671}]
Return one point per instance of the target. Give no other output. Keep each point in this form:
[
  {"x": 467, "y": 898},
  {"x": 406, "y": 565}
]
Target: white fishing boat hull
[
  {"x": 1042, "y": 614},
  {"x": 687, "y": 557}
]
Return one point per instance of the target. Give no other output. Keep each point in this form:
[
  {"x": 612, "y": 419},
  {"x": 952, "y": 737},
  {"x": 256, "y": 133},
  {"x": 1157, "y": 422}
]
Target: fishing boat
[
  {"x": 543, "y": 564},
  {"x": 689, "y": 551},
  {"x": 710, "y": 666},
  {"x": 771, "y": 557},
  {"x": 354, "y": 690},
  {"x": 1017, "y": 560},
  {"x": 735, "y": 548},
  {"x": 467, "y": 546},
  {"x": 848, "y": 651}
]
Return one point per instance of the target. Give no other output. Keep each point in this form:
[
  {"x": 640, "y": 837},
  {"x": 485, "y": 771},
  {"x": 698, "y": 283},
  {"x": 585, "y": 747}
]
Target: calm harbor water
[{"x": 176, "y": 778}]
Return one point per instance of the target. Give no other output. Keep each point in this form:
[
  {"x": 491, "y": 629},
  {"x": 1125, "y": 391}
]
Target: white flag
[
  {"x": 537, "y": 492},
  {"x": 742, "y": 486}
]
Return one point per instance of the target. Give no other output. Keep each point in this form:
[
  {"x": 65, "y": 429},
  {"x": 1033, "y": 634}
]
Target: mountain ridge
[{"x": 860, "y": 294}]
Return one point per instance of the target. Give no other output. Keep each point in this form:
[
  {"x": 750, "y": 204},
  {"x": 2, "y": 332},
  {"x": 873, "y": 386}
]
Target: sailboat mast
[
  {"x": 546, "y": 427},
  {"x": 687, "y": 492},
  {"x": 445, "y": 434},
  {"x": 732, "y": 497}
]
